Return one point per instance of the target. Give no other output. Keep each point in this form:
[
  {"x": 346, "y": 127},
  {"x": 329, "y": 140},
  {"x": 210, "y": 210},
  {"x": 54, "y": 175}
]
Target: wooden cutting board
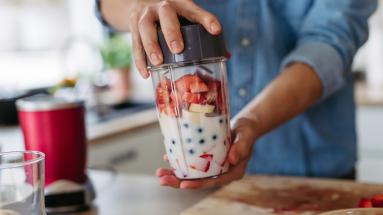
[{"x": 283, "y": 195}]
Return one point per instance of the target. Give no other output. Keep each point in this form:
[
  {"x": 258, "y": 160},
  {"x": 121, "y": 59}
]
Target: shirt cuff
[
  {"x": 101, "y": 19},
  {"x": 325, "y": 61}
]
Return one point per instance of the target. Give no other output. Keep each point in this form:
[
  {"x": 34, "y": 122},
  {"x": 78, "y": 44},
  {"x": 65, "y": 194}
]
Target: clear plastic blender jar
[{"x": 193, "y": 104}]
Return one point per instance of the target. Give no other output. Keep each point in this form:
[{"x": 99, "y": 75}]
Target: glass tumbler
[
  {"x": 22, "y": 183},
  {"x": 193, "y": 105}
]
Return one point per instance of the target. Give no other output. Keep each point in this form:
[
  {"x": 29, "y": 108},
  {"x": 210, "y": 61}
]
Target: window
[{"x": 35, "y": 35}]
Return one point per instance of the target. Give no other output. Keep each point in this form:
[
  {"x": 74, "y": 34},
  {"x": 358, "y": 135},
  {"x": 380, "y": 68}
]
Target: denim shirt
[{"x": 264, "y": 36}]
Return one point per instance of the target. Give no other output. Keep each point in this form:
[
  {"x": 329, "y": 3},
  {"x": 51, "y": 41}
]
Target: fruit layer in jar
[{"x": 193, "y": 118}]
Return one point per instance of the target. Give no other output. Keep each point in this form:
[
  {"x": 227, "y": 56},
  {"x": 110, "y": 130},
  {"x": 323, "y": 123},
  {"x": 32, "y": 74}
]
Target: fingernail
[
  {"x": 155, "y": 58},
  {"x": 144, "y": 73},
  {"x": 214, "y": 27},
  {"x": 176, "y": 46}
]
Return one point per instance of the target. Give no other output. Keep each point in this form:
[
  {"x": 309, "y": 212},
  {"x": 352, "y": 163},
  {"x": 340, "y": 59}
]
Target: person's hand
[
  {"x": 244, "y": 135},
  {"x": 142, "y": 24}
]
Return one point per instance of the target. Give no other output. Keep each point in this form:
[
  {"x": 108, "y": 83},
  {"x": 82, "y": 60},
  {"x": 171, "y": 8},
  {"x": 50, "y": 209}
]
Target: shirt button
[
  {"x": 242, "y": 92},
  {"x": 245, "y": 41}
]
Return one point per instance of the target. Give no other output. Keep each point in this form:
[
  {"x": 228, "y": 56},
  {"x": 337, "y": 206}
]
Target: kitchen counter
[
  {"x": 11, "y": 136},
  {"x": 128, "y": 142},
  {"x": 121, "y": 194},
  {"x": 121, "y": 124}
]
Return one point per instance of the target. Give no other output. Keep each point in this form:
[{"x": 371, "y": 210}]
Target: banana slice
[
  {"x": 201, "y": 108},
  {"x": 193, "y": 117}
]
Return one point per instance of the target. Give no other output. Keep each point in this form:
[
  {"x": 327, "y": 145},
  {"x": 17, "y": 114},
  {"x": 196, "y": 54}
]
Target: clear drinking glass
[{"x": 22, "y": 183}]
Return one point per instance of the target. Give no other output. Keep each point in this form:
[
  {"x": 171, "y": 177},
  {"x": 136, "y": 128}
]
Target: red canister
[{"x": 56, "y": 126}]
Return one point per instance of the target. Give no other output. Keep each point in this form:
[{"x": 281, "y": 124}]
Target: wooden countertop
[
  {"x": 121, "y": 194},
  {"x": 273, "y": 195}
]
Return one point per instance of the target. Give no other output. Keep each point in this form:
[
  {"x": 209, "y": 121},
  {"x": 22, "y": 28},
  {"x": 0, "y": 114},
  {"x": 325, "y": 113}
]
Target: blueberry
[
  {"x": 214, "y": 137},
  {"x": 189, "y": 140},
  {"x": 191, "y": 151},
  {"x": 186, "y": 125},
  {"x": 201, "y": 141},
  {"x": 170, "y": 150},
  {"x": 200, "y": 130},
  {"x": 173, "y": 142},
  {"x": 220, "y": 120}
]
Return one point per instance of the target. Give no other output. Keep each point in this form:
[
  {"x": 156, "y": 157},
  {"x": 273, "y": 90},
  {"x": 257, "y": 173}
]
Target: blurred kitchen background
[{"x": 59, "y": 47}]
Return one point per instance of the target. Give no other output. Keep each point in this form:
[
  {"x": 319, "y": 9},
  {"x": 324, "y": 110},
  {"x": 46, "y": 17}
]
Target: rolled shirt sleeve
[
  {"x": 329, "y": 37},
  {"x": 105, "y": 24}
]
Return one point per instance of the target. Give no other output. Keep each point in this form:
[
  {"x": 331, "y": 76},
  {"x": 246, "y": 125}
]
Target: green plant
[{"x": 116, "y": 52}]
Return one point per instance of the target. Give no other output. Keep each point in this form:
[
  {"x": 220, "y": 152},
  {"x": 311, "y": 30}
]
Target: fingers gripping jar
[{"x": 193, "y": 105}]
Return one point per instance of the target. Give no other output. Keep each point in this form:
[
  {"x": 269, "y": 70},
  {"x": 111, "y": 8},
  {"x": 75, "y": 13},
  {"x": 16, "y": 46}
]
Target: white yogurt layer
[{"x": 196, "y": 145}]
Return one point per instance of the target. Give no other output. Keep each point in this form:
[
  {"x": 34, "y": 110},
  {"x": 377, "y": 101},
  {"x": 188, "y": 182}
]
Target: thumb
[{"x": 244, "y": 138}]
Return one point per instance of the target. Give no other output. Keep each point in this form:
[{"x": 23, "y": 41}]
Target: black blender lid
[{"x": 198, "y": 45}]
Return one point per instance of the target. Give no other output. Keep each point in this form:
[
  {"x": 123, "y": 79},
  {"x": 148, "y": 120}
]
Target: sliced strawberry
[
  {"x": 162, "y": 92},
  {"x": 165, "y": 84},
  {"x": 214, "y": 85},
  {"x": 175, "y": 97},
  {"x": 203, "y": 169},
  {"x": 214, "y": 96},
  {"x": 181, "y": 87},
  {"x": 207, "y": 167},
  {"x": 221, "y": 107},
  {"x": 211, "y": 97},
  {"x": 203, "y": 99},
  {"x": 162, "y": 96},
  {"x": 198, "y": 87},
  {"x": 168, "y": 109},
  {"x": 365, "y": 203},
  {"x": 203, "y": 163},
  {"x": 190, "y": 83},
  {"x": 161, "y": 107},
  {"x": 191, "y": 97},
  {"x": 208, "y": 157},
  {"x": 377, "y": 200}
]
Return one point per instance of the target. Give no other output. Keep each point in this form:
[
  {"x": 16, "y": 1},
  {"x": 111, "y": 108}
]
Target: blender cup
[{"x": 192, "y": 104}]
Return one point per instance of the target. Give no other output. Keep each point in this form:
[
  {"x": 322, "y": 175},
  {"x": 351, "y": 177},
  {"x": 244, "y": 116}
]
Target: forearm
[
  {"x": 290, "y": 94},
  {"x": 118, "y": 13}
]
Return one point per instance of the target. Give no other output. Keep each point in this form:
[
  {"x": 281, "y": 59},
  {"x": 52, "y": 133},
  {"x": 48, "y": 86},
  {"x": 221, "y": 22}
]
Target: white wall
[
  {"x": 370, "y": 140},
  {"x": 33, "y": 35}
]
